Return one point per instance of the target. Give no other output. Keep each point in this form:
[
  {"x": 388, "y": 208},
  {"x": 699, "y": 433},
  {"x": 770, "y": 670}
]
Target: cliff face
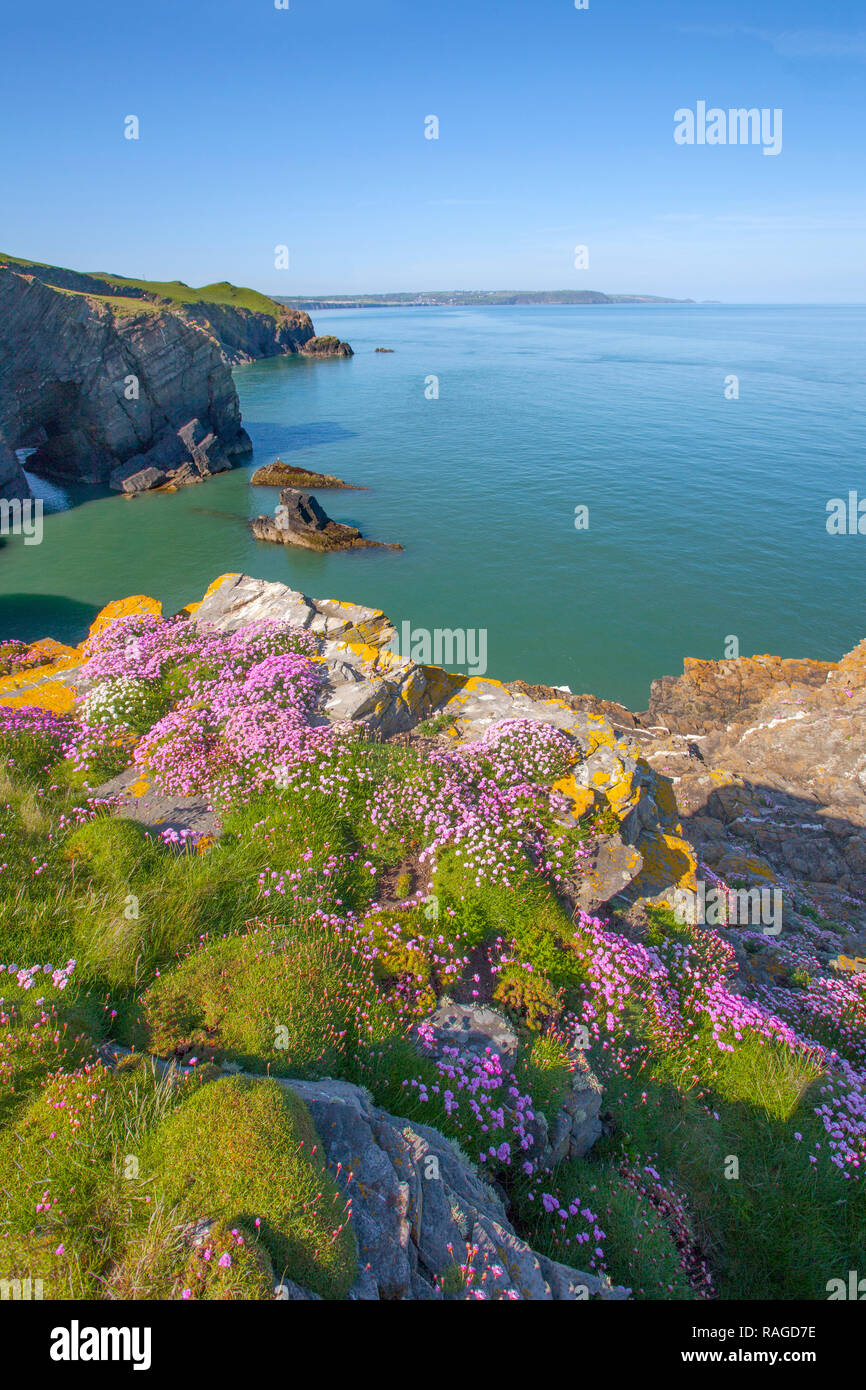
[
  {"x": 12, "y": 480},
  {"x": 243, "y": 335},
  {"x": 98, "y": 374},
  {"x": 95, "y": 386}
]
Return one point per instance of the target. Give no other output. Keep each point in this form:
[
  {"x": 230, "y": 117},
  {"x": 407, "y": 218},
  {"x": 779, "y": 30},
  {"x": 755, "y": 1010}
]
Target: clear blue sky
[{"x": 305, "y": 127}]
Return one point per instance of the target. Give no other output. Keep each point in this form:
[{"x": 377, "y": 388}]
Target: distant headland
[{"x": 460, "y": 298}]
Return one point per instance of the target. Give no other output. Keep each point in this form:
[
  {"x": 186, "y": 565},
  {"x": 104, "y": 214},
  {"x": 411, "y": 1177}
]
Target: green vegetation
[
  {"x": 135, "y": 296},
  {"x": 309, "y": 940},
  {"x": 105, "y": 1175}
]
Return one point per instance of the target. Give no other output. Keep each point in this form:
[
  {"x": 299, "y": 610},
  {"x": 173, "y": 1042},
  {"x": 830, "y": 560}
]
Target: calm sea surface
[{"x": 707, "y": 516}]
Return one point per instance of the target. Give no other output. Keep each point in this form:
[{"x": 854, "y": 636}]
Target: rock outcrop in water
[
  {"x": 12, "y": 480},
  {"x": 279, "y": 474},
  {"x": 300, "y": 520},
  {"x": 327, "y": 346}
]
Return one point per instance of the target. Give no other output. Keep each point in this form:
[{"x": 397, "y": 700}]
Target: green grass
[
  {"x": 244, "y": 1150},
  {"x": 182, "y": 953},
  {"x": 222, "y": 294},
  {"x": 783, "y": 1227},
  {"x": 286, "y": 999},
  {"x": 123, "y": 1165}
]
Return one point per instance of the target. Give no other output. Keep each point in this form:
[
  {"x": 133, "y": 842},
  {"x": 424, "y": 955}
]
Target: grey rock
[
  {"x": 471, "y": 1028},
  {"x": 137, "y": 479},
  {"x": 287, "y": 1291},
  {"x": 609, "y": 868},
  {"x": 300, "y": 511},
  {"x": 416, "y": 1204}
]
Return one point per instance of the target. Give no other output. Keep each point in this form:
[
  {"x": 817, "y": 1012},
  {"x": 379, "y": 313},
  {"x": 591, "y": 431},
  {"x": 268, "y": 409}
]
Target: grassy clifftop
[{"x": 105, "y": 285}]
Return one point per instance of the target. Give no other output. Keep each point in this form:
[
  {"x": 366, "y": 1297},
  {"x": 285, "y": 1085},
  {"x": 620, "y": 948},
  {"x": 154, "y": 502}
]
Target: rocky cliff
[
  {"x": 95, "y": 387},
  {"x": 99, "y": 375},
  {"x": 244, "y": 335},
  {"x": 245, "y": 324},
  {"x": 12, "y": 480}
]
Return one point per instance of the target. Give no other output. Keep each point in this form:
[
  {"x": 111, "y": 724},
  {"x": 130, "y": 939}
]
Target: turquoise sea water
[{"x": 707, "y": 516}]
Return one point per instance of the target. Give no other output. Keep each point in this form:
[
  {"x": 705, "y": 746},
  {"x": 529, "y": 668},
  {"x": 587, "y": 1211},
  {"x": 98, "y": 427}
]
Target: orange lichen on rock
[
  {"x": 53, "y": 695},
  {"x": 125, "y": 608},
  {"x": 221, "y": 579}
]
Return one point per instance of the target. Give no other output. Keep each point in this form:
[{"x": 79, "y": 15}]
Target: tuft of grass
[
  {"x": 243, "y": 1150},
  {"x": 292, "y": 1000}
]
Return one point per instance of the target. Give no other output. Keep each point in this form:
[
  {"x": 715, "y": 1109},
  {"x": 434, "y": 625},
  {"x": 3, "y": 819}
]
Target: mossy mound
[
  {"x": 245, "y": 1151},
  {"x": 104, "y": 1177},
  {"x": 292, "y": 999}
]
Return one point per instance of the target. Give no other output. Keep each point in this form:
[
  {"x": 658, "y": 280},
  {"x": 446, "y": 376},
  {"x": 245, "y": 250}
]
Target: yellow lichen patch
[
  {"x": 363, "y": 650},
  {"x": 600, "y": 737},
  {"x": 413, "y": 692},
  {"x": 140, "y": 787},
  {"x": 474, "y": 683},
  {"x": 849, "y": 965},
  {"x": 372, "y": 631},
  {"x": 668, "y": 863},
  {"x": 386, "y": 660},
  {"x": 750, "y": 868},
  {"x": 53, "y": 695},
  {"x": 721, "y": 778},
  {"x": 443, "y": 686},
  {"x": 190, "y": 608},
  {"x": 25, "y": 680},
  {"x": 582, "y": 798},
  {"x": 205, "y": 843},
  {"x": 55, "y": 652},
  {"x": 623, "y": 793},
  {"x": 665, "y": 800},
  {"x": 134, "y": 606},
  {"x": 221, "y": 579}
]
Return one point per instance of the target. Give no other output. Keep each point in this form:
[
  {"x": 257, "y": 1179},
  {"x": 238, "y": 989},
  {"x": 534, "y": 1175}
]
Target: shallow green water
[{"x": 707, "y": 516}]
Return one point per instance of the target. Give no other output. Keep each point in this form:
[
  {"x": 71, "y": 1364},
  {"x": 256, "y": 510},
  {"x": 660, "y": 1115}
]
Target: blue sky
[{"x": 305, "y": 127}]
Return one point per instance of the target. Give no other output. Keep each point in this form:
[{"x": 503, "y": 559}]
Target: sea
[{"x": 600, "y": 490}]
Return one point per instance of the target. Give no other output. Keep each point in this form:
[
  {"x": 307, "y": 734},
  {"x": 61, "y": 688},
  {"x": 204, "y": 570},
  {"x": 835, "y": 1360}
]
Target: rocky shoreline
[
  {"x": 106, "y": 380},
  {"x": 754, "y": 767}
]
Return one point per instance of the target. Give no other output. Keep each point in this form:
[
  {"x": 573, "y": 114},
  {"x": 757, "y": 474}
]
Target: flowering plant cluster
[{"x": 398, "y": 874}]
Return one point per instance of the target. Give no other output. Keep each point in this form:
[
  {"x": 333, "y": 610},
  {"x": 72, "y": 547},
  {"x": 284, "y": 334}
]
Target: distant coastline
[{"x": 460, "y": 298}]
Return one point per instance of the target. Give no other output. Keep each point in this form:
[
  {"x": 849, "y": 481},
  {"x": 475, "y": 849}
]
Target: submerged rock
[{"x": 279, "y": 474}]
